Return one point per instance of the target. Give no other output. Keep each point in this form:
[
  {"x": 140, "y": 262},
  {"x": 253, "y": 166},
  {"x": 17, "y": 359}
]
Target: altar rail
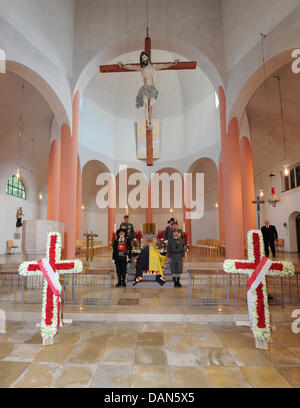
[
  {"x": 219, "y": 288},
  {"x": 88, "y": 287}
]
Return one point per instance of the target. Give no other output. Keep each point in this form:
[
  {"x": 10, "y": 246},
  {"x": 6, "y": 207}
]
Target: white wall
[
  {"x": 206, "y": 227},
  {"x": 290, "y": 203},
  {"x": 48, "y": 25},
  {"x": 244, "y": 21},
  {"x": 33, "y": 157},
  {"x": 100, "y": 23},
  {"x": 96, "y": 128},
  {"x": 95, "y": 220}
]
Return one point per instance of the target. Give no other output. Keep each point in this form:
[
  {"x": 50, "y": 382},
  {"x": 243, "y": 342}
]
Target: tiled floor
[{"x": 109, "y": 354}]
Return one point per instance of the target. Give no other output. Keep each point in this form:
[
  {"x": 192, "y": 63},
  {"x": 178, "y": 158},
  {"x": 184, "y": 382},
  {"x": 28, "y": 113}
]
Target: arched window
[{"x": 15, "y": 187}]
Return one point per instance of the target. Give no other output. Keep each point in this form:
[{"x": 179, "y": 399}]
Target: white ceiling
[{"x": 178, "y": 90}]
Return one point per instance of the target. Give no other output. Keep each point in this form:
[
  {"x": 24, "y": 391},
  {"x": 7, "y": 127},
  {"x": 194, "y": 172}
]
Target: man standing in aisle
[{"x": 270, "y": 236}]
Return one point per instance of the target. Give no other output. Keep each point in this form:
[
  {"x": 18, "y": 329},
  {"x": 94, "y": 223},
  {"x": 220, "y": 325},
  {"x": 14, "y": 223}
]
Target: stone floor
[{"x": 122, "y": 354}]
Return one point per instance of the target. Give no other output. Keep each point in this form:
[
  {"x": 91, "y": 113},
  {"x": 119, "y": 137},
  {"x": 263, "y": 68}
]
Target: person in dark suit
[{"x": 270, "y": 235}]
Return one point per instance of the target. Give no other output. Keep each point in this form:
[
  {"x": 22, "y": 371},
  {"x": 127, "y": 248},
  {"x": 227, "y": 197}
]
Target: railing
[
  {"x": 92, "y": 287},
  {"x": 213, "y": 288}
]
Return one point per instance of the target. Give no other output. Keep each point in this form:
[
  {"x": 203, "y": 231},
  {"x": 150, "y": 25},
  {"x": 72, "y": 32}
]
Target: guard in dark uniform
[
  {"x": 169, "y": 229},
  {"x": 180, "y": 231},
  {"x": 121, "y": 256},
  {"x": 129, "y": 228},
  {"x": 176, "y": 253}
]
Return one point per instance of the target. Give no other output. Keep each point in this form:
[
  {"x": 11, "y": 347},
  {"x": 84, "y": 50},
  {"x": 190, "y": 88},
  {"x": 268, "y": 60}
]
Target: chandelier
[{"x": 273, "y": 199}]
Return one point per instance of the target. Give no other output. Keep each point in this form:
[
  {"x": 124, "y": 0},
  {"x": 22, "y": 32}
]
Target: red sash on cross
[
  {"x": 255, "y": 280},
  {"x": 53, "y": 283}
]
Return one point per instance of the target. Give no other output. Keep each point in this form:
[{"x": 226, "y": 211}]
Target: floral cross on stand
[
  {"x": 257, "y": 266},
  {"x": 51, "y": 267}
]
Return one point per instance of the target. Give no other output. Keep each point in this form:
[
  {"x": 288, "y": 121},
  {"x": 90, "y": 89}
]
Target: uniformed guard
[
  {"x": 175, "y": 255},
  {"x": 121, "y": 256},
  {"x": 169, "y": 229},
  {"x": 129, "y": 228},
  {"x": 180, "y": 231}
]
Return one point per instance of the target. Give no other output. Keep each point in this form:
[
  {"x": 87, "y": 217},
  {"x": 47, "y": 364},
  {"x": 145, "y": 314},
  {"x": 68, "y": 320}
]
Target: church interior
[{"x": 145, "y": 315}]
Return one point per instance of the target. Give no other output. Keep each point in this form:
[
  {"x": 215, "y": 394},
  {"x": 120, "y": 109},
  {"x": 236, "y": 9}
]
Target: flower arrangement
[
  {"x": 260, "y": 308},
  {"x": 51, "y": 302}
]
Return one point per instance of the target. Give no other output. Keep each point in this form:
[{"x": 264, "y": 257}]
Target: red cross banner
[
  {"x": 51, "y": 267},
  {"x": 257, "y": 266}
]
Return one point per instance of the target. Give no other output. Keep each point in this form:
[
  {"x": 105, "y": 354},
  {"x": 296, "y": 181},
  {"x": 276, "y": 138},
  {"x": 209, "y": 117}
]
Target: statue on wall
[{"x": 20, "y": 215}]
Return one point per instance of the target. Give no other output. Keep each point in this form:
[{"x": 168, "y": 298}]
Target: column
[
  {"x": 68, "y": 181},
  {"x": 187, "y": 190},
  {"x": 79, "y": 203},
  {"x": 221, "y": 203},
  {"x": 232, "y": 184},
  {"x": 111, "y": 210},
  {"x": 53, "y": 181},
  {"x": 247, "y": 184}
]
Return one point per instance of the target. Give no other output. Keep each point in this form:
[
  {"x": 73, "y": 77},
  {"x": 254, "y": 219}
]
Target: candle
[{"x": 273, "y": 190}]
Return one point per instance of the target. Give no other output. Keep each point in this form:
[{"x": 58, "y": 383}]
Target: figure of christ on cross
[
  {"x": 148, "y": 93},
  {"x": 51, "y": 299},
  {"x": 260, "y": 311}
]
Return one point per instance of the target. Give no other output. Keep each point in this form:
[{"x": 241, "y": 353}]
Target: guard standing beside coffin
[{"x": 121, "y": 255}]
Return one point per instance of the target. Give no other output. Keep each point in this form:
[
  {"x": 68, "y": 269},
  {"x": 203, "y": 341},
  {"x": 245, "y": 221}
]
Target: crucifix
[
  {"x": 148, "y": 93},
  {"x": 258, "y": 202},
  {"x": 253, "y": 266},
  {"x": 51, "y": 268}
]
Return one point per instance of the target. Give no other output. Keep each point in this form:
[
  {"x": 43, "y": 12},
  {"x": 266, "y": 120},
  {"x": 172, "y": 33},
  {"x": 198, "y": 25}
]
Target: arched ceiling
[
  {"x": 37, "y": 119},
  {"x": 266, "y": 124},
  {"x": 178, "y": 90}
]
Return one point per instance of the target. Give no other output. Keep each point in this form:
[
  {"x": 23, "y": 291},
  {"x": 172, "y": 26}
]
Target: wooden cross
[
  {"x": 178, "y": 66},
  {"x": 261, "y": 323},
  {"x": 50, "y": 317}
]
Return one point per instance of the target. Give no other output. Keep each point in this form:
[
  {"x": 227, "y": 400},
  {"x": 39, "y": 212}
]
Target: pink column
[
  {"x": 53, "y": 181},
  {"x": 247, "y": 184},
  {"x": 111, "y": 210},
  {"x": 79, "y": 203},
  {"x": 149, "y": 212},
  {"x": 232, "y": 184},
  {"x": 221, "y": 203},
  {"x": 186, "y": 208},
  {"x": 68, "y": 184}
]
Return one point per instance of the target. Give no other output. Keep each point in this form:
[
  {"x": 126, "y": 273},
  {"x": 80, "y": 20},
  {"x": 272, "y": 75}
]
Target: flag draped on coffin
[{"x": 150, "y": 262}]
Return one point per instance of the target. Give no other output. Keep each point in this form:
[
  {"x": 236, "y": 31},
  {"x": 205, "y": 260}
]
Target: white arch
[
  {"x": 43, "y": 87},
  {"x": 28, "y": 62}
]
